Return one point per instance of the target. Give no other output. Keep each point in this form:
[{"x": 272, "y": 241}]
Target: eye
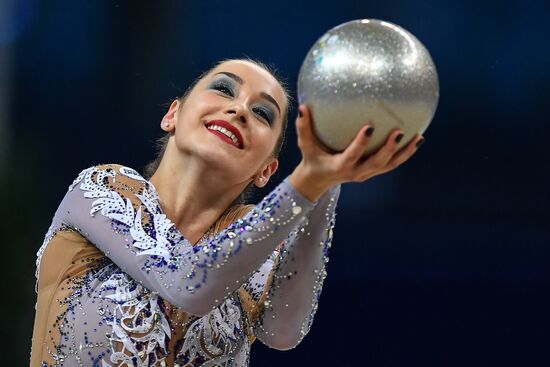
[
  {"x": 265, "y": 113},
  {"x": 223, "y": 86}
]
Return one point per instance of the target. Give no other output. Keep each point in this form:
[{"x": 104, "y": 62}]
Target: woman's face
[{"x": 231, "y": 120}]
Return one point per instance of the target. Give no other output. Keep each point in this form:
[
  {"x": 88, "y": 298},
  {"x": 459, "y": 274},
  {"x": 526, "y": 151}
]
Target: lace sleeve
[{"x": 119, "y": 211}]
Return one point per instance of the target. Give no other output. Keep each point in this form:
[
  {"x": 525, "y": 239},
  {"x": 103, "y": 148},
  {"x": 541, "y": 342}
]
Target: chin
[
  {"x": 219, "y": 158},
  {"x": 216, "y": 155}
]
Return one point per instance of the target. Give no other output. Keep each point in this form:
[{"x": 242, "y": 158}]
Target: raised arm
[
  {"x": 298, "y": 277},
  {"x": 119, "y": 211},
  {"x": 296, "y": 282}
]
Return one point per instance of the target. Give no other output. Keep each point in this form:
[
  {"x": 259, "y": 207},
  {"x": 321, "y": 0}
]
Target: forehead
[{"x": 253, "y": 76}]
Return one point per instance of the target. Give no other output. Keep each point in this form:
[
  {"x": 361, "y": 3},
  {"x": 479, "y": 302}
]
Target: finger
[
  {"x": 303, "y": 128},
  {"x": 356, "y": 149},
  {"x": 404, "y": 154},
  {"x": 307, "y": 141},
  {"x": 383, "y": 155}
]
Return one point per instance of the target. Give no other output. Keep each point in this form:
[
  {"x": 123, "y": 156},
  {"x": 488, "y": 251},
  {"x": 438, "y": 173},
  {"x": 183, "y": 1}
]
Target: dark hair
[{"x": 239, "y": 205}]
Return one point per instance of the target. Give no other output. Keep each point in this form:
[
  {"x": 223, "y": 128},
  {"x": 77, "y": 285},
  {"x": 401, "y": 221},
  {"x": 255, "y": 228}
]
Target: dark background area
[{"x": 444, "y": 262}]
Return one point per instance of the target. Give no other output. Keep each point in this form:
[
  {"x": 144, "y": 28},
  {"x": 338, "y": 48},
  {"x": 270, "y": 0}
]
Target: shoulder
[
  {"x": 109, "y": 174},
  {"x": 116, "y": 185}
]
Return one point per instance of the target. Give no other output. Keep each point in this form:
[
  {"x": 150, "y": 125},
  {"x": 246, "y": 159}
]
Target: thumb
[{"x": 307, "y": 141}]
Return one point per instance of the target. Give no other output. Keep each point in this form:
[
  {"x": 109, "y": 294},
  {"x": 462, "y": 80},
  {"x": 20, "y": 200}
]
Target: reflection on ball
[{"x": 368, "y": 70}]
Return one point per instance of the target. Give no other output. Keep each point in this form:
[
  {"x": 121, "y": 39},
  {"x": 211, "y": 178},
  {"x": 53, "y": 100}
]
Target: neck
[{"x": 193, "y": 196}]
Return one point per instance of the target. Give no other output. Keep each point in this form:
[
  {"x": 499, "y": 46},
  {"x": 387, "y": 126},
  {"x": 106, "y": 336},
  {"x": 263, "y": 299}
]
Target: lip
[{"x": 228, "y": 126}]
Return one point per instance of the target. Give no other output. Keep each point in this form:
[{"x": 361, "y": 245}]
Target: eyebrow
[{"x": 239, "y": 80}]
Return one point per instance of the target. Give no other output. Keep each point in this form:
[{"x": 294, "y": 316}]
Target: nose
[{"x": 238, "y": 111}]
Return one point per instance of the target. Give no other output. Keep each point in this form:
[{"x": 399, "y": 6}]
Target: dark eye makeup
[
  {"x": 265, "y": 113},
  {"x": 225, "y": 86}
]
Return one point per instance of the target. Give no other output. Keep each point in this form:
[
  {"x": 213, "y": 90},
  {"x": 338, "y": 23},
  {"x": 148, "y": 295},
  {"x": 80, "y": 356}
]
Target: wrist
[{"x": 307, "y": 184}]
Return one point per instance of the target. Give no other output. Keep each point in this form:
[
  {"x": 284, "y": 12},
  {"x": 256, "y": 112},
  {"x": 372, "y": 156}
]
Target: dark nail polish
[
  {"x": 300, "y": 113},
  {"x": 420, "y": 142},
  {"x": 369, "y": 131},
  {"x": 398, "y": 138}
]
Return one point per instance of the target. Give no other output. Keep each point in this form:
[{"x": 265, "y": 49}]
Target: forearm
[
  {"x": 132, "y": 231},
  {"x": 244, "y": 246},
  {"x": 298, "y": 278}
]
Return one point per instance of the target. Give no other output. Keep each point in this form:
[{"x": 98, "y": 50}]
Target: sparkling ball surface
[{"x": 368, "y": 71}]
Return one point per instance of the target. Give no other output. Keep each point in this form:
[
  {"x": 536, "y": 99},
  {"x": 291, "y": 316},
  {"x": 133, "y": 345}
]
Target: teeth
[{"x": 226, "y": 132}]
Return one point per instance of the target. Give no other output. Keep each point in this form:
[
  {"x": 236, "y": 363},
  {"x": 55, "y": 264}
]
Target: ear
[
  {"x": 262, "y": 177},
  {"x": 168, "y": 122}
]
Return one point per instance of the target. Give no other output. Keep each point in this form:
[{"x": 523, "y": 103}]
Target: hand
[{"x": 319, "y": 169}]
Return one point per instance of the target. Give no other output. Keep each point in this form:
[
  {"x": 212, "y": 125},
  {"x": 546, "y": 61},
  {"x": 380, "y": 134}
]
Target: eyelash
[
  {"x": 227, "y": 89},
  {"x": 224, "y": 88},
  {"x": 264, "y": 113}
]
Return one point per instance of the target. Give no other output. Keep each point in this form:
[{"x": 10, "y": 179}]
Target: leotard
[{"x": 119, "y": 285}]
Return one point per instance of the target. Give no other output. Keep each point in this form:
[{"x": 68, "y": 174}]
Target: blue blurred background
[{"x": 444, "y": 262}]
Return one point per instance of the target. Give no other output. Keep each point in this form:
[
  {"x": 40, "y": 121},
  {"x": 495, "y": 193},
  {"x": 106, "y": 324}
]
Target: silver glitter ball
[{"x": 368, "y": 71}]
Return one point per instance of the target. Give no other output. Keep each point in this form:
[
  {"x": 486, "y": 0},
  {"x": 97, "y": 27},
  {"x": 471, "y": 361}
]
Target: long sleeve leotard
[{"x": 118, "y": 285}]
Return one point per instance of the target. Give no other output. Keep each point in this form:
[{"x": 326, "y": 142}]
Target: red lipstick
[{"x": 226, "y": 125}]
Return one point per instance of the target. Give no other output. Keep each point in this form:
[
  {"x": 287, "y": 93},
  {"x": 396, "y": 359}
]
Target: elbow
[
  {"x": 195, "y": 310},
  {"x": 283, "y": 338},
  {"x": 284, "y": 345},
  {"x": 197, "y": 302},
  {"x": 192, "y": 304}
]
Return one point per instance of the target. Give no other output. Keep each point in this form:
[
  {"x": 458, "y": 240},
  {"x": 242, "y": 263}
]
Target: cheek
[
  {"x": 267, "y": 139},
  {"x": 198, "y": 105}
]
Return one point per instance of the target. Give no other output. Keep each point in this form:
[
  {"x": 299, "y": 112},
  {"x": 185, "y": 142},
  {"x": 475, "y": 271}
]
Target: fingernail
[
  {"x": 398, "y": 138},
  {"x": 420, "y": 142},
  {"x": 369, "y": 131},
  {"x": 300, "y": 113}
]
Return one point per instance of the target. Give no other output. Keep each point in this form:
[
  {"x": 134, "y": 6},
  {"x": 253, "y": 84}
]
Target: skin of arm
[{"x": 319, "y": 169}]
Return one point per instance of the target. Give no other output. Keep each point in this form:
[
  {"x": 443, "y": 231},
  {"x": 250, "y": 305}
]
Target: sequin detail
[
  {"x": 52, "y": 230},
  {"x": 107, "y": 317}
]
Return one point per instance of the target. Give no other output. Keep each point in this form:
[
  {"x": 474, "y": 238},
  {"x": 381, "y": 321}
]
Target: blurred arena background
[{"x": 444, "y": 262}]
